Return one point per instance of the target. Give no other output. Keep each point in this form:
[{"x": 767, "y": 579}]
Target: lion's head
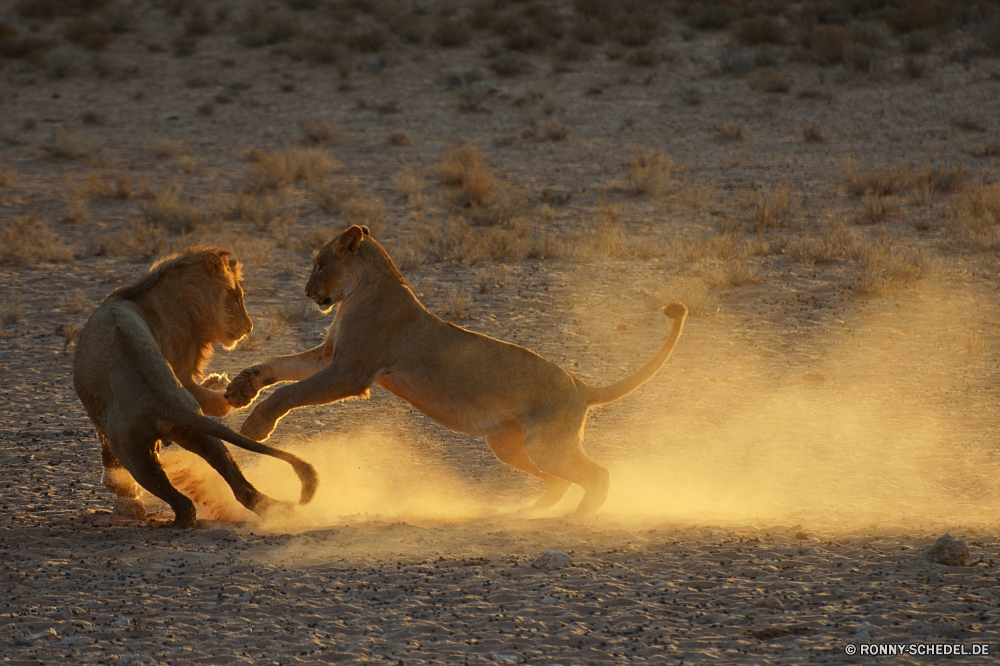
[
  {"x": 198, "y": 292},
  {"x": 337, "y": 267}
]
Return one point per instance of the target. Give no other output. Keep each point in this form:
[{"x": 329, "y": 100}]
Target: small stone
[
  {"x": 501, "y": 657},
  {"x": 552, "y": 559},
  {"x": 47, "y": 633},
  {"x": 865, "y": 632},
  {"x": 813, "y": 377},
  {"x": 772, "y": 602},
  {"x": 948, "y": 550}
]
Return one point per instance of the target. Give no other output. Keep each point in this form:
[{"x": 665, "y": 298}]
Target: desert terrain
[{"x": 817, "y": 181}]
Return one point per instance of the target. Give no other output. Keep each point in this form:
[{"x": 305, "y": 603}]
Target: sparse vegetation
[
  {"x": 279, "y": 169},
  {"x": 400, "y": 138},
  {"x": 321, "y": 132},
  {"x": 883, "y": 266},
  {"x": 28, "y": 239},
  {"x": 975, "y": 217},
  {"x": 167, "y": 211},
  {"x": 647, "y": 172},
  {"x": 732, "y": 132},
  {"x": 167, "y": 148},
  {"x": 876, "y": 208},
  {"x": 67, "y": 144},
  {"x": 883, "y": 181},
  {"x": 836, "y": 242},
  {"x": 768, "y": 209},
  {"x": 815, "y": 132}
]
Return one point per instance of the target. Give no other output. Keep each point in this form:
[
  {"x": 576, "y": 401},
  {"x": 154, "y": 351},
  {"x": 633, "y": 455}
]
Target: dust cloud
[{"x": 850, "y": 429}]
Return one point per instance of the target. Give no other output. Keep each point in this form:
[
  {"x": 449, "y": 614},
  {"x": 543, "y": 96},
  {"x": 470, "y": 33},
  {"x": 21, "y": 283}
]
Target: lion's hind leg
[
  {"x": 556, "y": 448},
  {"x": 217, "y": 455},
  {"x": 507, "y": 443},
  {"x": 139, "y": 454},
  {"x": 118, "y": 480}
]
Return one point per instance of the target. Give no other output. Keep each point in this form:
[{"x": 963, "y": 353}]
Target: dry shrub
[
  {"x": 368, "y": 211},
  {"x": 9, "y": 178},
  {"x": 762, "y": 30},
  {"x": 167, "y": 147},
  {"x": 400, "y": 138},
  {"x": 139, "y": 238},
  {"x": 28, "y": 239},
  {"x": 768, "y": 209},
  {"x": 266, "y": 211},
  {"x": 882, "y": 181},
  {"x": 815, "y": 132},
  {"x": 693, "y": 195},
  {"x": 732, "y": 132},
  {"x": 838, "y": 241},
  {"x": 66, "y": 143},
  {"x": 771, "y": 80},
  {"x": 973, "y": 343},
  {"x": 975, "y": 217},
  {"x": 970, "y": 120},
  {"x": 876, "y": 209},
  {"x": 648, "y": 171},
  {"x": 457, "y": 303},
  {"x": 167, "y": 211},
  {"x": 511, "y": 64},
  {"x": 78, "y": 303},
  {"x": 102, "y": 185},
  {"x": 88, "y": 33},
  {"x": 451, "y": 32},
  {"x": 320, "y": 131},
  {"x": 915, "y": 67},
  {"x": 465, "y": 166},
  {"x": 883, "y": 267},
  {"x": 281, "y": 168},
  {"x": 296, "y": 312},
  {"x": 10, "y": 310},
  {"x": 263, "y": 28},
  {"x": 826, "y": 44},
  {"x": 940, "y": 179},
  {"x": 409, "y": 185},
  {"x": 692, "y": 292},
  {"x": 732, "y": 272},
  {"x": 76, "y": 211},
  {"x": 334, "y": 200}
]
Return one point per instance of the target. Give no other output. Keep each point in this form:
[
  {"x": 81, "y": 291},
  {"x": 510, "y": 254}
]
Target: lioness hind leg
[
  {"x": 116, "y": 478},
  {"x": 508, "y": 446},
  {"x": 141, "y": 459},
  {"x": 560, "y": 454},
  {"x": 217, "y": 455}
]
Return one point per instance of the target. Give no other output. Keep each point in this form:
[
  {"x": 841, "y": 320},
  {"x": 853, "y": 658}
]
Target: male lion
[
  {"x": 530, "y": 410},
  {"x": 137, "y": 362}
]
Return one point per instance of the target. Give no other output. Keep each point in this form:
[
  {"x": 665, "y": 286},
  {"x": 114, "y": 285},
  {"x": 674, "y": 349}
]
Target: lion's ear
[
  {"x": 350, "y": 239},
  {"x": 365, "y": 231},
  {"x": 215, "y": 265}
]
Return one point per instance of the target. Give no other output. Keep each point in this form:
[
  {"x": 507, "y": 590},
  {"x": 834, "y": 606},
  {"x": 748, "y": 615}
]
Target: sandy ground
[{"x": 773, "y": 487}]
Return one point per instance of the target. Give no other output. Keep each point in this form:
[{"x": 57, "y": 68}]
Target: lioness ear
[
  {"x": 215, "y": 265},
  {"x": 350, "y": 239},
  {"x": 365, "y": 231}
]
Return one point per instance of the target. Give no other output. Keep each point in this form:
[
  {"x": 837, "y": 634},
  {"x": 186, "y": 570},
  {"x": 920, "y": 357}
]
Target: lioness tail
[
  {"x": 606, "y": 394},
  {"x": 306, "y": 472}
]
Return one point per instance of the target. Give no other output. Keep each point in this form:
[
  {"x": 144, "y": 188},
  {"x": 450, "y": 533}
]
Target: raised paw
[
  {"x": 215, "y": 382},
  {"x": 244, "y": 388}
]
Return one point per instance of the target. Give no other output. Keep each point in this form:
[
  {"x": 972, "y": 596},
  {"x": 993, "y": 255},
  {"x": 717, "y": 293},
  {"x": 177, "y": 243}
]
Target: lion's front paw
[
  {"x": 257, "y": 427},
  {"x": 215, "y": 382},
  {"x": 245, "y": 387}
]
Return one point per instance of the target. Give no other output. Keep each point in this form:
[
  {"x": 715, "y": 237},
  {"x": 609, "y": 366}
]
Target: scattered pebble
[
  {"x": 552, "y": 559},
  {"x": 48, "y": 633},
  {"x": 772, "y": 602},
  {"x": 950, "y": 551}
]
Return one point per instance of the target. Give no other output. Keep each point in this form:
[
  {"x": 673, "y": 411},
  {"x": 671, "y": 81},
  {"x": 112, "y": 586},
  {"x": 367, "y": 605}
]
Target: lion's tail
[
  {"x": 306, "y": 472},
  {"x": 599, "y": 396}
]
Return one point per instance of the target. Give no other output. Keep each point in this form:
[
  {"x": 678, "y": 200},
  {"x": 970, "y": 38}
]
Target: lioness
[
  {"x": 530, "y": 410},
  {"x": 136, "y": 368}
]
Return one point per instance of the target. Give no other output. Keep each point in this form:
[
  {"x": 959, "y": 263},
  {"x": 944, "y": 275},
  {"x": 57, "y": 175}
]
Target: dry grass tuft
[
  {"x": 65, "y": 143},
  {"x": 102, "y": 185},
  {"x": 970, "y": 120},
  {"x": 280, "y": 169},
  {"x": 876, "y": 209},
  {"x": 648, "y": 171},
  {"x": 28, "y": 239},
  {"x": 772, "y": 80},
  {"x": 732, "y": 132},
  {"x": 692, "y": 292},
  {"x": 400, "y": 138},
  {"x": 768, "y": 209},
  {"x": 882, "y": 181},
  {"x": 265, "y": 211},
  {"x": 815, "y": 132},
  {"x": 883, "y": 267},
  {"x": 735, "y": 271},
  {"x": 167, "y": 211},
  {"x": 838, "y": 241},
  {"x": 975, "y": 217},
  {"x": 321, "y": 131},
  {"x": 409, "y": 186},
  {"x": 457, "y": 303},
  {"x": 167, "y": 147},
  {"x": 10, "y": 310}
]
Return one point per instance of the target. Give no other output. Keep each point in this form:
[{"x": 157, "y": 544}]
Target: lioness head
[
  {"x": 332, "y": 268},
  {"x": 234, "y": 322}
]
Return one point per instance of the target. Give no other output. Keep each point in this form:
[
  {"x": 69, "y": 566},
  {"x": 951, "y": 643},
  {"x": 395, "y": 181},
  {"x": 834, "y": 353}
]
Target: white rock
[
  {"x": 949, "y": 550},
  {"x": 772, "y": 602},
  {"x": 505, "y": 658},
  {"x": 47, "y": 633},
  {"x": 552, "y": 559}
]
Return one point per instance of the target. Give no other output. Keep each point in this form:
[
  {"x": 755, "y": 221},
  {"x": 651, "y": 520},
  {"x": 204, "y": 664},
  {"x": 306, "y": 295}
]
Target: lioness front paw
[
  {"x": 257, "y": 427},
  {"x": 245, "y": 387}
]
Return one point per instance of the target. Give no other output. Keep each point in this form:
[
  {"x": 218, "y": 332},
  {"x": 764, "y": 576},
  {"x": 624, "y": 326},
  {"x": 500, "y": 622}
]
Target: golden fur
[
  {"x": 137, "y": 368},
  {"x": 530, "y": 410}
]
